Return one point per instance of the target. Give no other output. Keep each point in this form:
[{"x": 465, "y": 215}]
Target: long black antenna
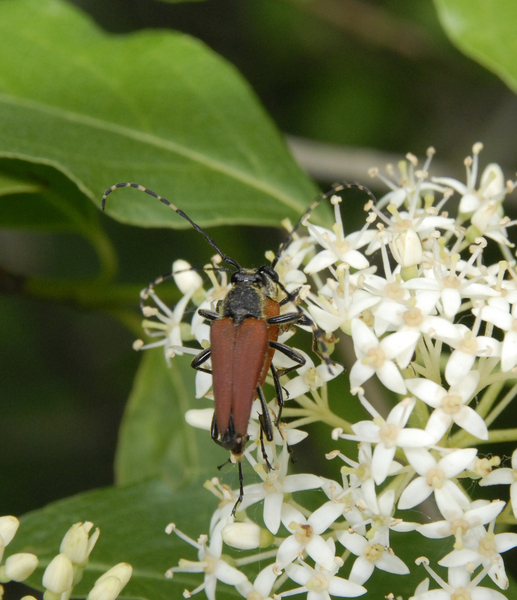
[
  {"x": 227, "y": 259},
  {"x": 337, "y": 187}
]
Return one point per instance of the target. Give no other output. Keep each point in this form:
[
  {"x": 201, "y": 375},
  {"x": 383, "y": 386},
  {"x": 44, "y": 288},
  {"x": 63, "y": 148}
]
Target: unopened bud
[
  {"x": 59, "y": 575},
  {"x": 20, "y": 566},
  {"x": 246, "y": 536},
  {"x": 185, "y": 278},
  {"x": 122, "y": 571},
  {"x": 109, "y": 589},
  {"x": 76, "y": 544},
  {"x": 8, "y": 527},
  {"x": 407, "y": 248}
]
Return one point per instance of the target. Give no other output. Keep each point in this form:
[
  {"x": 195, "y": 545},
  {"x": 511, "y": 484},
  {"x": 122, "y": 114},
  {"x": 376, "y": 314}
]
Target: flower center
[
  {"x": 459, "y": 528},
  {"x": 209, "y": 565},
  {"x": 514, "y": 474},
  {"x": 363, "y": 472},
  {"x": 317, "y": 583},
  {"x": 312, "y": 378},
  {"x": 302, "y": 533},
  {"x": 254, "y": 595},
  {"x": 388, "y": 434},
  {"x": 413, "y": 317},
  {"x": 469, "y": 344},
  {"x": 435, "y": 478},
  {"x": 373, "y": 552},
  {"x": 461, "y": 594},
  {"x": 487, "y": 545},
  {"x": 514, "y": 325},
  {"x": 394, "y": 290},
  {"x": 452, "y": 404},
  {"x": 375, "y": 358}
]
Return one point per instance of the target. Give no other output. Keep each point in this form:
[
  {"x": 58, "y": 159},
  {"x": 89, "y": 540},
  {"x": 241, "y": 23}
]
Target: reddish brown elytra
[{"x": 244, "y": 337}]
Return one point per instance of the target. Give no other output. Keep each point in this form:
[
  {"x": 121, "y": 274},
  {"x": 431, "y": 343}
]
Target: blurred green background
[{"x": 351, "y": 84}]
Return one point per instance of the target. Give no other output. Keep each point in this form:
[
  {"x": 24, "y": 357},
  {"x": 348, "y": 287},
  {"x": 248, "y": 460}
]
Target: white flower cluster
[
  {"x": 66, "y": 569},
  {"x": 437, "y": 325}
]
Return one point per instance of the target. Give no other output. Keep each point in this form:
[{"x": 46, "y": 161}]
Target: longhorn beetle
[{"x": 244, "y": 337}]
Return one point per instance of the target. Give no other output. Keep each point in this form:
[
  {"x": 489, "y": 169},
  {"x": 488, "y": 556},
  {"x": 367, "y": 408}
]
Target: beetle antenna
[
  {"x": 141, "y": 188},
  {"x": 337, "y": 187}
]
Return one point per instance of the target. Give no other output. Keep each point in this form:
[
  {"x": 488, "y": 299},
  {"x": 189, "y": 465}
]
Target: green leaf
[
  {"x": 43, "y": 198},
  {"x": 154, "y": 439},
  {"x": 132, "y": 521},
  {"x": 159, "y": 108},
  {"x": 484, "y": 31},
  {"x": 16, "y": 185}
]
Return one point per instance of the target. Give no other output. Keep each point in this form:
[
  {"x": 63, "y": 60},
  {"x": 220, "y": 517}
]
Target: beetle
[{"x": 244, "y": 335}]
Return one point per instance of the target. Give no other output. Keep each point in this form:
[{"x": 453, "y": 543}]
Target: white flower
[
  {"x": 460, "y": 523},
  {"x": 306, "y": 536},
  {"x": 484, "y": 548},
  {"x": 467, "y": 348},
  {"x": 211, "y": 562},
  {"x": 435, "y": 476},
  {"x": 450, "y": 406},
  {"x": 459, "y": 586},
  {"x": 262, "y": 585},
  {"x": 276, "y": 483},
  {"x": 371, "y": 554},
  {"x": 377, "y": 357},
  {"x": 321, "y": 583},
  {"x": 388, "y": 435},
  {"x": 310, "y": 377},
  {"x": 8, "y": 527}
]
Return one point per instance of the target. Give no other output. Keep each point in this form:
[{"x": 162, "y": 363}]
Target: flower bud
[
  {"x": 186, "y": 279},
  {"x": 20, "y": 566},
  {"x": 108, "y": 589},
  {"x": 59, "y": 575},
  {"x": 76, "y": 544},
  {"x": 246, "y": 536},
  {"x": 8, "y": 528},
  {"x": 407, "y": 248},
  {"x": 122, "y": 571}
]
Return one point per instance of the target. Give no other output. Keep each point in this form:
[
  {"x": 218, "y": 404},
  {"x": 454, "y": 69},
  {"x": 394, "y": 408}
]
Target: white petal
[
  {"x": 382, "y": 458},
  {"x": 415, "y": 438},
  {"x": 272, "y": 511},
  {"x": 390, "y": 376},
  {"x": 228, "y": 574},
  {"x": 457, "y": 461},
  {"x": 322, "y": 519},
  {"x": 509, "y": 351},
  {"x": 200, "y": 418},
  {"x": 471, "y": 421},
  {"x": 288, "y": 551},
  {"x": 345, "y": 589},
  {"x": 458, "y": 366},
  {"x": 415, "y": 493},
  {"x": 392, "y": 564},
  {"x": 301, "y": 481},
  {"x": 321, "y": 261},
  {"x": 359, "y": 373},
  {"x": 438, "y": 424},
  {"x": 352, "y": 541},
  {"x": 318, "y": 550},
  {"x": 451, "y": 302},
  {"x": 428, "y": 391},
  {"x": 362, "y": 570},
  {"x": 324, "y": 319},
  {"x": 458, "y": 558},
  {"x": 298, "y": 573},
  {"x": 363, "y": 337},
  {"x": 421, "y": 460}
]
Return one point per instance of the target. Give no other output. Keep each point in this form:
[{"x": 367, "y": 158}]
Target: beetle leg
[
  {"x": 241, "y": 490},
  {"x": 279, "y": 396},
  {"x": 263, "y": 447},
  {"x": 265, "y": 419},
  {"x": 286, "y": 318},
  {"x": 214, "y": 432},
  {"x": 209, "y": 314},
  {"x": 201, "y": 358},
  {"x": 290, "y": 353}
]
